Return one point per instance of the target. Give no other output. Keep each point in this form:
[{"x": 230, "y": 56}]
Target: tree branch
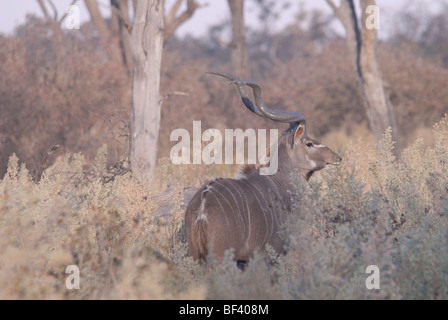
[
  {"x": 238, "y": 45},
  {"x": 332, "y": 5},
  {"x": 174, "y": 22},
  {"x": 54, "y": 10},
  {"x": 44, "y": 9},
  {"x": 97, "y": 20},
  {"x": 123, "y": 18},
  {"x": 47, "y": 14},
  {"x": 346, "y": 13},
  {"x": 172, "y": 14},
  {"x": 66, "y": 14}
]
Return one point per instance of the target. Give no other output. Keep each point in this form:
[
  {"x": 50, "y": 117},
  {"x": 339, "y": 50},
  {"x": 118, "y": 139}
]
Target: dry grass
[{"x": 372, "y": 210}]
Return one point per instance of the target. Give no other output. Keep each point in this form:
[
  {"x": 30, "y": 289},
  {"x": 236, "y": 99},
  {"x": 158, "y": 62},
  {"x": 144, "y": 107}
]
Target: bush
[
  {"x": 58, "y": 89},
  {"x": 373, "y": 210},
  {"x": 397, "y": 221}
]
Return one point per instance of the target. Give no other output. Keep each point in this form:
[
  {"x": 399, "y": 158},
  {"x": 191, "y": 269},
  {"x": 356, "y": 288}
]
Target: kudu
[{"x": 247, "y": 213}]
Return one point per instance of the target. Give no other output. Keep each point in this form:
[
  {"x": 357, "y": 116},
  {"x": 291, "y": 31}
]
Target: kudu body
[{"x": 247, "y": 213}]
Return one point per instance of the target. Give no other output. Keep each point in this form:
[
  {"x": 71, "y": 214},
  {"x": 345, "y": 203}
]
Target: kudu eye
[{"x": 309, "y": 144}]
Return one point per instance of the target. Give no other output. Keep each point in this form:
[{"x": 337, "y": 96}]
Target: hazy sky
[{"x": 13, "y": 13}]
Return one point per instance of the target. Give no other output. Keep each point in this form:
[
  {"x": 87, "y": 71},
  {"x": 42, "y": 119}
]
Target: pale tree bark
[
  {"x": 238, "y": 45},
  {"x": 362, "y": 42},
  {"x": 146, "y": 48},
  {"x": 146, "y": 43}
]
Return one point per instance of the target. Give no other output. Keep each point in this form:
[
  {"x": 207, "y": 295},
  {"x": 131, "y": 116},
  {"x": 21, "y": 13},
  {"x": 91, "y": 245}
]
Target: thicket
[{"x": 373, "y": 210}]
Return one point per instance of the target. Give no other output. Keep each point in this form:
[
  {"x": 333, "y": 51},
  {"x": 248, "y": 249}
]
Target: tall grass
[{"x": 373, "y": 210}]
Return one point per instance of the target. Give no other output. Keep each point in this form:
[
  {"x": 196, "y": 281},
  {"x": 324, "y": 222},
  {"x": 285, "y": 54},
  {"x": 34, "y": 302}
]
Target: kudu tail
[
  {"x": 200, "y": 235},
  {"x": 198, "y": 227}
]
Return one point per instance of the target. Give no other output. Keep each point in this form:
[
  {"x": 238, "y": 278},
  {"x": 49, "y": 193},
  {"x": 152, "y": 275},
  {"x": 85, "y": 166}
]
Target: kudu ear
[{"x": 298, "y": 132}]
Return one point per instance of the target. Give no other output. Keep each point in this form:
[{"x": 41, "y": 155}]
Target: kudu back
[{"x": 247, "y": 213}]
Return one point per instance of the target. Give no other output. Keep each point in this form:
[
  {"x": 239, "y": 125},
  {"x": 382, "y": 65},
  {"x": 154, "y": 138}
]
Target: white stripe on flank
[
  {"x": 242, "y": 200},
  {"x": 202, "y": 215},
  {"x": 246, "y": 245},
  {"x": 236, "y": 203},
  {"x": 261, "y": 208},
  {"x": 264, "y": 211},
  {"x": 223, "y": 212}
]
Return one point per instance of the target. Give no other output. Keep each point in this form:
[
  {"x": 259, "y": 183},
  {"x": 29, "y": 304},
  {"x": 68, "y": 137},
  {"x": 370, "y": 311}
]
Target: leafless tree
[
  {"x": 361, "y": 41},
  {"x": 141, "y": 50},
  {"x": 149, "y": 31}
]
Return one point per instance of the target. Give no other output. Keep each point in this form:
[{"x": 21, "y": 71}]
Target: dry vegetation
[
  {"x": 63, "y": 90},
  {"x": 76, "y": 206},
  {"x": 372, "y": 210}
]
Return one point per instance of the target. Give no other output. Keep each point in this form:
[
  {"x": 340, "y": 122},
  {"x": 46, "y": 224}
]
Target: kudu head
[{"x": 305, "y": 153}]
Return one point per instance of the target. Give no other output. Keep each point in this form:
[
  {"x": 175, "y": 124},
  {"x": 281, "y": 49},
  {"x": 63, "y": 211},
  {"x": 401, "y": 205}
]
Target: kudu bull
[{"x": 246, "y": 214}]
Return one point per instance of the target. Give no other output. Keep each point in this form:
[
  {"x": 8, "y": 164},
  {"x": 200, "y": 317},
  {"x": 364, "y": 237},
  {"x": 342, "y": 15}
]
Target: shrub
[{"x": 381, "y": 211}]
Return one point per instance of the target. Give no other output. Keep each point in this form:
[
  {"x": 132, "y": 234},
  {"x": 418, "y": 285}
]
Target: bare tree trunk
[
  {"x": 362, "y": 46},
  {"x": 239, "y": 45},
  {"x": 380, "y": 110},
  {"x": 146, "y": 47}
]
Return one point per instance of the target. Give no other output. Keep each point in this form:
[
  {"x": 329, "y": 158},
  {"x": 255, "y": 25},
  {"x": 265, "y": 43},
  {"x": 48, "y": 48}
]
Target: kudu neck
[{"x": 287, "y": 167}]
